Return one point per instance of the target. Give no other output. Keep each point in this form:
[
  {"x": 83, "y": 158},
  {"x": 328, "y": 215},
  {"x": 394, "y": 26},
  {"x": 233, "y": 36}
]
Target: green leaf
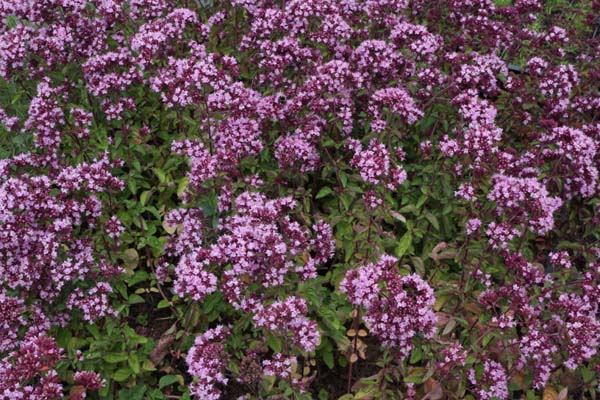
[
  {"x": 114, "y": 358},
  {"x": 11, "y": 21},
  {"x": 182, "y": 185},
  {"x": 134, "y": 363},
  {"x": 403, "y": 245},
  {"x": 134, "y": 393},
  {"x": 134, "y": 336},
  {"x": 104, "y": 390},
  {"x": 409, "y": 208},
  {"x": 421, "y": 201},
  {"x": 120, "y": 286},
  {"x": 416, "y": 356},
  {"x": 344, "y": 229},
  {"x": 168, "y": 228},
  {"x": 138, "y": 277},
  {"x": 121, "y": 374},
  {"x": 587, "y": 375},
  {"x": 344, "y": 178},
  {"x": 131, "y": 185},
  {"x": 93, "y": 329},
  {"x": 63, "y": 337},
  {"x": 163, "y": 304},
  {"x": 419, "y": 265},
  {"x": 325, "y": 191},
  {"x": 160, "y": 175},
  {"x": 148, "y": 365},
  {"x": 136, "y": 299},
  {"x": 156, "y": 394},
  {"x": 273, "y": 342},
  {"x": 328, "y": 359},
  {"x": 130, "y": 258},
  {"x": 144, "y": 197},
  {"x": 433, "y": 220},
  {"x": 413, "y": 379},
  {"x": 268, "y": 382},
  {"x": 211, "y": 302},
  {"x": 330, "y": 316},
  {"x": 347, "y": 199},
  {"x": 167, "y": 380}
]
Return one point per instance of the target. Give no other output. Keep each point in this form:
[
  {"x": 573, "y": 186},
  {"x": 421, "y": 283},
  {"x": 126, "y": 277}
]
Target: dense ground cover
[{"x": 353, "y": 199}]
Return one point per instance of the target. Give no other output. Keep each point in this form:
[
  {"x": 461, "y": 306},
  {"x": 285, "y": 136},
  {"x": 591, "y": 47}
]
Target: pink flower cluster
[
  {"x": 258, "y": 242},
  {"x": 575, "y": 152},
  {"x": 287, "y": 318},
  {"x": 375, "y": 167},
  {"x": 52, "y": 204},
  {"x": 34, "y": 360},
  {"x": 181, "y": 81},
  {"x": 29, "y": 372},
  {"x": 492, "y": 383},
  {"x": 94, "y": 304},
  {"x": 206, "y": 363},
  {"x": 307, "y": 88},
  {"x": 279, "y": 366},
  {"x": 524, "y": 201},
  {"x": 156, "y": 36},
  {"x": 11, "y": 319},
  {"x": 397, "y": 308},
  {"x": 398, "y": 101}
]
